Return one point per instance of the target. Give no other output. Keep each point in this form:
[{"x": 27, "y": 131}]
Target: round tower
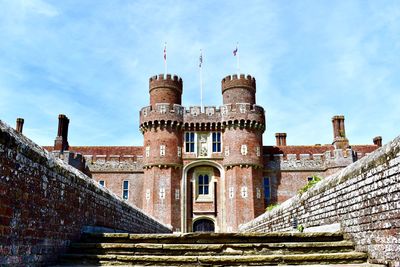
[
  {"x": 238, "y": 90},
  {"x": 161, "y": 124},
  {"x": 165, "y": 90},
  {"x": 244, "y": 124}
]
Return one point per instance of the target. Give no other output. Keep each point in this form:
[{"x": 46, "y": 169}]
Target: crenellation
[{"x": 312, "y": 162}]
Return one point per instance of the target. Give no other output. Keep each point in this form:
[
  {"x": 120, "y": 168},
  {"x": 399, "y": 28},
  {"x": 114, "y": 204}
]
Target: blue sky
[{"x": 91, "y": 60}]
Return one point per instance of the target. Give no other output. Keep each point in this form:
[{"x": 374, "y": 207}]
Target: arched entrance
[
  {"x": 202, "y": 196},
  {"x": 203, "y": 225}
]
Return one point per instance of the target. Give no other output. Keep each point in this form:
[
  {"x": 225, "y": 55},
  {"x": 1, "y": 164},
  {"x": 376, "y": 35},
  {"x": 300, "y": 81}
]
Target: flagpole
[
  {"x": 165, "y": 59},
  {"x": 237, "y": 60},
  {"x": 201, "y": 80}
]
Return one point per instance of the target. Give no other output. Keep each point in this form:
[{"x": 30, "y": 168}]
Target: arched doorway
[{"x": 203, "y": 225}]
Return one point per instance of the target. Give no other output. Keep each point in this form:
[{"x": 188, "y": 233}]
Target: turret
[
  {"x": 244, "y": 124},
  {"x": 165, "y": 89},
  {"x": 161, "y": 124},
  {"x": 238, "y": 90},
  {"x": 243, "y": 120}
]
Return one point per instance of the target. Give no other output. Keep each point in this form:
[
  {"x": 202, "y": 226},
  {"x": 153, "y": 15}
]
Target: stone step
[
  {"x": 260, "y": 260},
  {"x": 212, "y": 238},
  {"x": 212, "y": 249}
]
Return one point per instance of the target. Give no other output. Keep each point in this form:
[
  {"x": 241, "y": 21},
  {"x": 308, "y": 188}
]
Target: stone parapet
[
  {"x": 161, "y": 115},
  {"x": 363, "y": 198},
  {"x": 115, "y": 163},
  {"x": 45, "y": 203},
  {"x": 243, "y": 115},
  {"x": 309, "y": 162}
]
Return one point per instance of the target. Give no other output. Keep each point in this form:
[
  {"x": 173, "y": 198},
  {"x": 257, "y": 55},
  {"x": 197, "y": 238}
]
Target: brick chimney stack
[
  {"x": 280, "y": 139},
  {"x": 61, "y": 142},
  {"x": 20, "y": 125},
  {"x": 378, "y": 141},
  {"x": 339, "y": 134}
]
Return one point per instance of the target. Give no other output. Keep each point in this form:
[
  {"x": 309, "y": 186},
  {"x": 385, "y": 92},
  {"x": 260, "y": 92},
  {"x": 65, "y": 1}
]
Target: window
[
  {"x": 216, "y": 142},
  {"x": 125, "y": 190},
  {"x": 162, "y": 150},
  {"x": 189, "y": 141},
  {"x": 267, "y": 190},
  {"x": 163, "y": 109},
  {"x": 243, "y": 150},
  {"x": 147, "y": 151},
  {"x": 203, "y": 184},
  {"x": 102, "y": 183}
]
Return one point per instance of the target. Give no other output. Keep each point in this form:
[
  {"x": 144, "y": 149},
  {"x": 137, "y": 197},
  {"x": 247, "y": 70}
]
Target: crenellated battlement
[
  {"x": 114, "y": 163},
  {"x": 166, "y": 81},
  {"x": 309, "y": 162},
  {"x": 208, "y": 118},
  {"x": 76, "y": 160},
  {"x": 161, "y": 115},
  {"x": 243, "y": 115},
  {"x": 233, "y": 81}
]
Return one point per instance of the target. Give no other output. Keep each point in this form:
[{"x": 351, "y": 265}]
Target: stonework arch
[{"x": 184, "y": 188}]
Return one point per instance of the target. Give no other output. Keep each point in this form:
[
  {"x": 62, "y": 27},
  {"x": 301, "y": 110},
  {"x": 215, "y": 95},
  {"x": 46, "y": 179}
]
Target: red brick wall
[
  {"x": 114, "y": 182},
  {"x": 44, "y": 204},
  {"x": 238, "y": 90},
  {"x": 363, "y": 198},
  {"x": 166, "y": 209}
]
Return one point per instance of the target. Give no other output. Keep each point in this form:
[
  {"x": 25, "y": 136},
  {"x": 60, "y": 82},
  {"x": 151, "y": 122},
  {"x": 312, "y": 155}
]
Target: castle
[{"x": 206, "y": 168}]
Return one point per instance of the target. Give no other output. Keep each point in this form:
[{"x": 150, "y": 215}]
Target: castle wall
[
  {"x": 114, "y": 183},
  {"x": 288, "y": 173},
  {"x": 45, "y": 203},
  {"x": 363, "y": 198}
]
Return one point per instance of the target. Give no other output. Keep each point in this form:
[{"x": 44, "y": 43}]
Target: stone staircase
[{"x": 223, "y": 249}]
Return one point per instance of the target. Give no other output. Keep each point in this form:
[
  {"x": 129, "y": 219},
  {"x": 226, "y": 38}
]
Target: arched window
[
  {"x": 203, "y": 225},
  {"x": 204, "y": 184}
]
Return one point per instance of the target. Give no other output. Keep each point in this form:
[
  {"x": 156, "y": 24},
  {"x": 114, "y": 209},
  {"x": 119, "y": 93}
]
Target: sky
[{"x": 91, "y": 60}]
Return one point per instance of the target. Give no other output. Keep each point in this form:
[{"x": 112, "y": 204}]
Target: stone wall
[
  {"x": 45, "y": 203},
  {"x": 364, "y": 197}
]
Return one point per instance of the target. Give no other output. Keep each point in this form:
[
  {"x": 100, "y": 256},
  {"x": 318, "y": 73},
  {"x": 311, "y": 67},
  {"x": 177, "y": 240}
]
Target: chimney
[
  {"x": 280, "y": 139},
  {"x": 339, "y": 133},
  {"x": 378, "y": 141},
  {"x": 61, "y": 142},
  {"x": 20, "y": 125}
]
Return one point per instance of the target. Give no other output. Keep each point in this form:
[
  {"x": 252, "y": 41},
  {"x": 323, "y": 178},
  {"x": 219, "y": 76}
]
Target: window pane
[
  {"x": 187, "y": 137},
  {"x": 219, "y": 137},
  {"x": 267, "y": 189},
  {"x": 125, "y": 194},
  {"x": 191, "y": 137},
  {"x": 214, "y": 137},
  {"x": 206, "y": 179},
  {"x": 200, "y": 190},
  {"x": 214, "y": 147},
  {"x": 206, "y": 190},
  {"x": 218, "y": 147},
  {"x": 126, "y": 183},
  {"x": 191, "y": 147},
  {"x": 200, "y": 179}
]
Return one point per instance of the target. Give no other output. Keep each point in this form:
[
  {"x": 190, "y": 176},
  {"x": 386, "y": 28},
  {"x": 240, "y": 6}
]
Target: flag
[
  {"x": 200, "y": 59},
  {"x": 235, "y": 51},
  {"x": 165, "y": 52}
]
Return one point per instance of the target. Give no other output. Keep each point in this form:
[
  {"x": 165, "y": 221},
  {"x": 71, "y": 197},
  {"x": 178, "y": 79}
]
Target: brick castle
[{"x": 206, "y": 169}]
